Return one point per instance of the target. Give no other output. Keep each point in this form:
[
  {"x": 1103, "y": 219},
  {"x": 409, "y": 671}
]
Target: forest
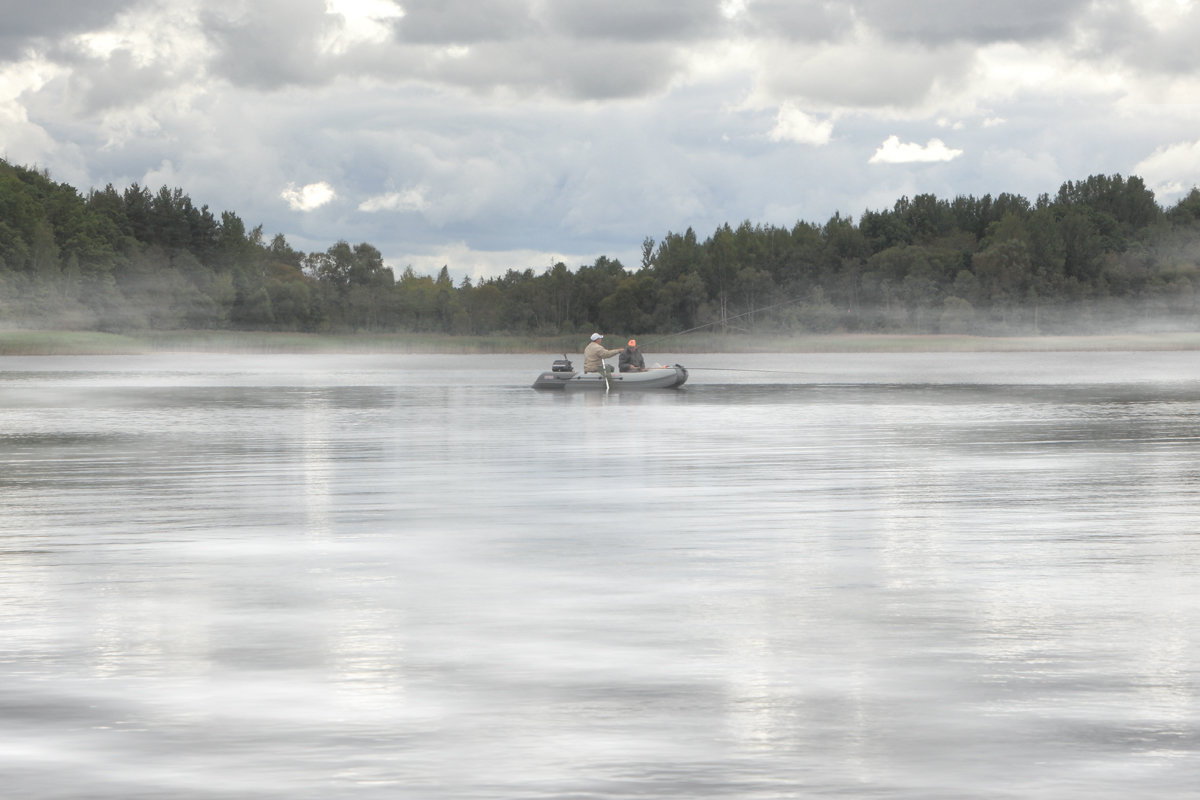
[{"x": 1101, "y": 255}]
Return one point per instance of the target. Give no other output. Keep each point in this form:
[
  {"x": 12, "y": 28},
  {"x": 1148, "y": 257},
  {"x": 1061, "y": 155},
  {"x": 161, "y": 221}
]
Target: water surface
[{"x": 896, "y": 576}]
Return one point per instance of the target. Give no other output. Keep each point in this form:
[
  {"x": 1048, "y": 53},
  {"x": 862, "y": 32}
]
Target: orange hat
[{"x": 633, "y": 342}]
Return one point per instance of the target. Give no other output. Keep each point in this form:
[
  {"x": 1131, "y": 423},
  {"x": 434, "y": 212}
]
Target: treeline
[{"x": 1100, "y": 255}]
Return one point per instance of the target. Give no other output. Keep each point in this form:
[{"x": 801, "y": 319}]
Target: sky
[{"x": 487, "y": 135}]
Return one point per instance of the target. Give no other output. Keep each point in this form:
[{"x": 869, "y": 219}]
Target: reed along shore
[{"x": 45, "y": 343}]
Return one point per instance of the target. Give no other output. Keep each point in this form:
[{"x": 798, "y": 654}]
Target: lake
[{"x": 394, "y": 576}]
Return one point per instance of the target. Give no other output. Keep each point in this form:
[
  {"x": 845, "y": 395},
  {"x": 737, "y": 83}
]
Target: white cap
[{"x": 596, "y": 336}]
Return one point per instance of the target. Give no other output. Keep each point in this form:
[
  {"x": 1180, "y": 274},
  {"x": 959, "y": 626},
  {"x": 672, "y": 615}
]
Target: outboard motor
[{"x": 560, "y": 374}]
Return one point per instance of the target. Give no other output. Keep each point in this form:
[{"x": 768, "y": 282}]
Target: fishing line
[
  {"x": 725, "y": 320},
  {"x": 732, "y": 369}
]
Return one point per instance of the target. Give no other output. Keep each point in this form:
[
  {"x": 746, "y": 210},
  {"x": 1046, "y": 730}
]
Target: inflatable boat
[{"x": 562, "y": 376}]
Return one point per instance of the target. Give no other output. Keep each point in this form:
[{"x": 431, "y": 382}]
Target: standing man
[
  {"x": 631, "y": 359},
  {"x": 594, "y": 355}
]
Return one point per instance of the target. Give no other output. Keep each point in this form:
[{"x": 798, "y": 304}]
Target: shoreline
[{"x": 51, "y": 343}]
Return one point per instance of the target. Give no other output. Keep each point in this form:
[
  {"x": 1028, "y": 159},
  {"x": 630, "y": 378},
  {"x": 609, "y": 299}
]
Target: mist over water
[{"x": 903, "y": 576}]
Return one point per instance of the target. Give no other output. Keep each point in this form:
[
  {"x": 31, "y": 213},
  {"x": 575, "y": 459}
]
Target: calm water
[{"x": 882, "y": 576}]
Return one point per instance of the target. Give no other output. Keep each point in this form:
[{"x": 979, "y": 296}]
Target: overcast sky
[{"x": 495, "y": 134}]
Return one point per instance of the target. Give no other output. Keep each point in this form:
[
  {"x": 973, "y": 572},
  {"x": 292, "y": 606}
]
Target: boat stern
[{"x": 553, "y": 380}]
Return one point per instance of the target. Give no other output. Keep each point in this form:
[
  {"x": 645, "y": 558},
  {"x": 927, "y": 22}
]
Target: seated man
[
  {"x": 594, "y": 355},
  {"x": 631, "y": 359}
]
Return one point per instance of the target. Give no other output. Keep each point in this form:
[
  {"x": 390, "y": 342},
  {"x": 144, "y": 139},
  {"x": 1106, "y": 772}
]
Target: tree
[
  {"x": 721, "y": 265},
  {"x": 20, "y": 215},
  {"x": 344, "y": 267},
  {"x": 679, "y": 302},
  {"x": 1002, "y": 270},
  {"x": 753, "y": 287},
  {"x": 677, "y": 254},
  {"x": 1082, "y": 245},
  {"x": 647, "y": 253},
  {"x": 43, "y": 255},
  {"x": 1128, "y": 202},
  {"x": 483, "y": 305},
  {"x": 560, "y": 289},
  {"x": 958, "y": 315},
  {"x": 127, "y": 258},
  {"x": 927, "y": 217},
  {"x": 630, "y": 307}
]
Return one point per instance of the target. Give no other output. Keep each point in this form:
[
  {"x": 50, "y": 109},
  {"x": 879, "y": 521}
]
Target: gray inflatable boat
[{"x": 563, "y": 377}]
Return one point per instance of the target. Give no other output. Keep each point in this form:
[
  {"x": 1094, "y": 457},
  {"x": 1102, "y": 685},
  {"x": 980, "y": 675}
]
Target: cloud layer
[{"x": 488, "y": 134}]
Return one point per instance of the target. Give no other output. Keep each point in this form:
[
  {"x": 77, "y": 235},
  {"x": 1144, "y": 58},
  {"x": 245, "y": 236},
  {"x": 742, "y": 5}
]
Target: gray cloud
[
  {"x": 268, "y": 44},
  {"x": 851, "y": 76},
  {"x": 30, "y": 24},
  {"x": 635, "y": 20},
  {"x": 798, "y": 20},
  {"x": 464, "y": 21},
  {"x": 117, "y": 81},
  {"x": 935, "y": 22},
  {"x": 1117, "y": 33},
  {"x": 593, "y": 70}
]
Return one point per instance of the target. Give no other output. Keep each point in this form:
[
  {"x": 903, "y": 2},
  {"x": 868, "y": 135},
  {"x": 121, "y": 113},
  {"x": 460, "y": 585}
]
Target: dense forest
[{"x": 1100, "y": 256}]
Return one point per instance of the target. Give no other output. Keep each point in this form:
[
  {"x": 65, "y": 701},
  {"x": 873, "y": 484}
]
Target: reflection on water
[{"x": 400, "y": 576}]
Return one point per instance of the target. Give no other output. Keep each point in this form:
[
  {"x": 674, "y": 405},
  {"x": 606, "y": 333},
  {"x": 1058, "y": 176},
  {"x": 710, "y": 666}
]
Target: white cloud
[
  {"x": 21, "y": 139},
  {"x": 893, "y": 152},
  {"x": 1011, "y": 71},
  {"x": 408, "y": 200},
  {"x": 362, "y": 22},
  {"x": 309, "y": 197},
  {"x": 164, "y": 175},
  {"x": 166, "y": 37},
  {"x": 730, "y": 9},
  {"x": 1163, "y": 15},
  {"x": 1170, "y": 171},
  {"x": 26, "y": 76},
  {"x": 793, "y": 125}
]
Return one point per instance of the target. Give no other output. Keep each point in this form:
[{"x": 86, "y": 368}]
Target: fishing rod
[
  {"x": 732, "y": 369},
  {"x": 726, "y": 320}
]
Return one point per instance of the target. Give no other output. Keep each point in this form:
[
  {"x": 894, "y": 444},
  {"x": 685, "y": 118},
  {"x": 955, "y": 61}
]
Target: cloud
[
  {"x": 22, "y": 139},
  {"x": 793, "y": 125},
  {"x": 362, "y": 21},
  {"x": 893, "y": 152},
  {"x": 796, "y": 21},
  {"x": 270, "y": 44},
  {"x": 408, "y": 200},
  {"x": 730, "y": 9},
  {"x": 861, "y": 71},
  {"x": 554, "y": 67},
  {"x": 1152, "y": 37},
  {"x": 464, "y": 22},
  {"x": 1172, "y": 170},
  {"x": 517, "y": 128},
  {"x": 308, "y": 198},
  {"x": 937, "y": 22},
  {"x": 635, "y": 20},
  {"x": 31, "y": 24}
]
